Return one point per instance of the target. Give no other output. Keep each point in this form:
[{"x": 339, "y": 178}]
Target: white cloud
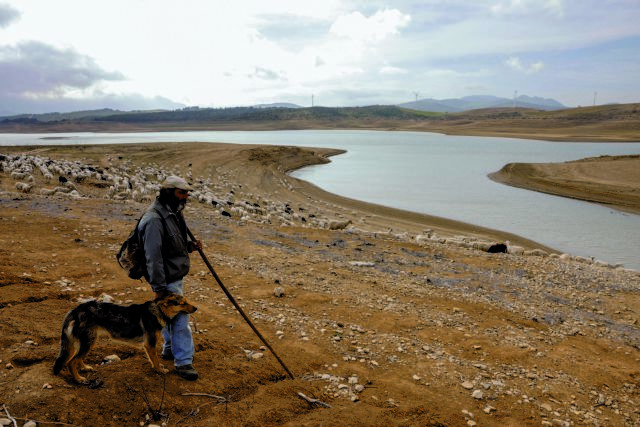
[
  {"x": 522, "y": 7},
  {"x": 375, "y": 28},
  {"x": 389, "y": 70},
  {"x": 515, "y": 63}
]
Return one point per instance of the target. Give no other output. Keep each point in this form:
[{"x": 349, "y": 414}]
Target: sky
[{"x": 69, "y": 55}]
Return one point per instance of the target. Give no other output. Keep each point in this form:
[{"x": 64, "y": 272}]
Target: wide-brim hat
[{"x": 177, "y": 182}]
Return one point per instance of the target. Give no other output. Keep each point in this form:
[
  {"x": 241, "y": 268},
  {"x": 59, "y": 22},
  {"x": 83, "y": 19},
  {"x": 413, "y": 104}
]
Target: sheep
[
  {"x": 497, "y": 248},
  {"x": 339, "y": 225},
  {"x": 18, "y": 176},
  {"x": 48, "y": 191},
  {"x": 23, "y": 187}
]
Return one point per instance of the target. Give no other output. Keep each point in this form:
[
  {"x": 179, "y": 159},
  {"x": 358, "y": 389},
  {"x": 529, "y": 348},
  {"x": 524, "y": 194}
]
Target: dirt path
[{"x": 388, "y": 328}]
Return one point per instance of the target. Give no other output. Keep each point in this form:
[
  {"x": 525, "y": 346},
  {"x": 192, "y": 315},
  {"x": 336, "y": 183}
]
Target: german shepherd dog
[{"x": 129, "y": 323}]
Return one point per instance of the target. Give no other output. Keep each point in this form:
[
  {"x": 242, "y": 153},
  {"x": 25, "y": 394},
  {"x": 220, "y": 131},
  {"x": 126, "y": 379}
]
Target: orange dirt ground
[{"x": 386, "y": 329}]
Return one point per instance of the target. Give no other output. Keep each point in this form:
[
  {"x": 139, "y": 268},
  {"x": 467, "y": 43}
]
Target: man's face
[{"x": 182, "y": 196}]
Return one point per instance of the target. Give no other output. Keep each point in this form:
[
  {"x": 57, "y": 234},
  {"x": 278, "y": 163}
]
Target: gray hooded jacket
[{"x": 166, "y": 250}]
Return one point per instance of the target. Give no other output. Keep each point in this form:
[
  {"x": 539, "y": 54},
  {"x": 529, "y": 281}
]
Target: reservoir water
[{"x": 437, "y": 175}]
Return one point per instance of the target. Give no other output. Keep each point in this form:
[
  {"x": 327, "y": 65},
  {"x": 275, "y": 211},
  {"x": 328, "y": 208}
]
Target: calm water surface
[{"x": 438, "y": 175}]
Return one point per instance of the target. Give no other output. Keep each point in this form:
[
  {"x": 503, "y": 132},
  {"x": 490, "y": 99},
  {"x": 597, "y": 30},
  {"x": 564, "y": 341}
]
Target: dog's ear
[{"x": 162, "y": 295}]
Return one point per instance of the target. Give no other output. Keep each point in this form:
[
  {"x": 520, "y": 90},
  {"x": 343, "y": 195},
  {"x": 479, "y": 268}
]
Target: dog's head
[{"x": 172, "y": 304}]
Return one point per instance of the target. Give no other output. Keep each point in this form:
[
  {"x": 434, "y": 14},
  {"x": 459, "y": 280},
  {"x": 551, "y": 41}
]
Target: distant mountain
[
  {"x": 278, "y": 105},
  {"x": 455, "y": 105},
  {"x": 71, "y": 116}
]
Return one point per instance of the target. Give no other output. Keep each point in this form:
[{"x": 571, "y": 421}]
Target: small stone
[
  {"x": 477, "y": 394},
  {"x": 416, "y": 378},
  {"x": 546, "y": 407},
  {"x": 487, "y": 409},
  {"x": 471, "y": 423},
  {"x": 30, "y": 424},
  {"x": 110, "y": 359},
  {"x": 8, "y": 366},
  {"x": 278, "y": 291},
  {"x": 5, "y": 422},
  {"x": 47, "y": 385},
  {"x": 467, "y": 384}
]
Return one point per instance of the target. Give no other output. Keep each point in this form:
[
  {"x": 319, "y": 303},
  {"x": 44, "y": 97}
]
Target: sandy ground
[
  {"x": 391, "y": 321},
  {"x": 608, "y": 180}
]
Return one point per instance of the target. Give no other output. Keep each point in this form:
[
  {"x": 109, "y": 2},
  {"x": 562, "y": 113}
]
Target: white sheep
[
  {"x": 339, "y": 225},
  {"x": 23, "y": 187}
]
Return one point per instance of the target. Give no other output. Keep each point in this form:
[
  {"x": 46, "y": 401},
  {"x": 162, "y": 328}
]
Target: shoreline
[
  {"x": 612, "y": 181},
  {"x": 271, "y": 167},
  {"x": 494, "y": 128}
]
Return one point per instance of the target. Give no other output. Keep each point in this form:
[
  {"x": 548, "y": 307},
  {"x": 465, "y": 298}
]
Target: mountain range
[
  {"x": 451, "y": 105},
  {"x": 455, "y": 105}
]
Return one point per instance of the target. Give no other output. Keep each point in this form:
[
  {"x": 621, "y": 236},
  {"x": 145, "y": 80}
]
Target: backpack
[{"x": 131, "y": 254}]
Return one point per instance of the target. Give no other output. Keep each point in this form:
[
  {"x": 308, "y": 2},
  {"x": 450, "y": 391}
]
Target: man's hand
[{"x": 194, "y": 246}]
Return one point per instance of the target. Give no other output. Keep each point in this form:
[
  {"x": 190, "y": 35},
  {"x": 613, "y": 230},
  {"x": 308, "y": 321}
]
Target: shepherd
[{"x": 163, "y": 235}]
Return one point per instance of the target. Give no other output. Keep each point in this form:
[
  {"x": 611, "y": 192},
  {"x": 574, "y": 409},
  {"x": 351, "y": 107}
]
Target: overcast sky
[{"x": 66, "y": 55}]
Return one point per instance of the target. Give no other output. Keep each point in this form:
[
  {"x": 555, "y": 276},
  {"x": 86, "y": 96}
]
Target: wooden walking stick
[{"x": 236, "y": 305}]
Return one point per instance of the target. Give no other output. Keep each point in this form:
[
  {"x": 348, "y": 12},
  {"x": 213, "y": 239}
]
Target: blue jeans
[{"x": 177, "y": 333}]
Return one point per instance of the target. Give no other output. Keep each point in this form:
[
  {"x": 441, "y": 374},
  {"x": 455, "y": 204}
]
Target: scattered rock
[{"x": 477, "y": 394}]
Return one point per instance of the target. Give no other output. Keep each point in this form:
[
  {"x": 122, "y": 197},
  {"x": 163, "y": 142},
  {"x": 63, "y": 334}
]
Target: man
[{"x": 163, "y": 234}]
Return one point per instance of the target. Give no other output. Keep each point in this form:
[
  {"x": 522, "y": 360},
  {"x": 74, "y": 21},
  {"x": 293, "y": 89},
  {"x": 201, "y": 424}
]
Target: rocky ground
[{"x": 392, "y": 319}]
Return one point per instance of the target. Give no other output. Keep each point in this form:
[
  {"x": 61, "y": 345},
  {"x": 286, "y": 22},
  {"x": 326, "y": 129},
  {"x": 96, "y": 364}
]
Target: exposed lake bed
[
  {"x": 439, "y": 175},
  {"x": 379, "y": 324}
]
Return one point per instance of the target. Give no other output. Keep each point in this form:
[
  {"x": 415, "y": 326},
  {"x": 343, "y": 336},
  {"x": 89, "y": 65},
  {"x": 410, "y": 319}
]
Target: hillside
[{"x": 620, "y": 122}]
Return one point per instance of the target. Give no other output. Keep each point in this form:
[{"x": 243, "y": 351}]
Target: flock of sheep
[
  {"x": 141, "y": 184},
  {"x": 62, "y": 178}
]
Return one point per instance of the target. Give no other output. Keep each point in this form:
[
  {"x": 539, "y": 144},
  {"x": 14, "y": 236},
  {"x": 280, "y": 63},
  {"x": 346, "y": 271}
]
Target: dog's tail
[{"x": 64, "y": 355}]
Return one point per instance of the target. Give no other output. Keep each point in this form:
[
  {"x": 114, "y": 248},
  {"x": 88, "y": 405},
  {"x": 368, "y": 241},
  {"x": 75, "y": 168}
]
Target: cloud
[
  {"x": 375, "y": 28},
  {"x": 7, "y": 15},
  {"x": 389, "y": 70},
  {"x": 266, "y": 74},
  {"x": 38, "y": 69},
  {"x": 37, "y": 77},
  {"x": 515, "y": 63},
  {"x": 524, "y": 7},
  {"x": 123, "y": 102}
]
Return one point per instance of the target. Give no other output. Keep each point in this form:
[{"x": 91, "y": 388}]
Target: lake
[{"x": 437, "y": 175}]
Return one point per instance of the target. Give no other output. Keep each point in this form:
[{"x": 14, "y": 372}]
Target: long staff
[{"x": 236, "y": 305}]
